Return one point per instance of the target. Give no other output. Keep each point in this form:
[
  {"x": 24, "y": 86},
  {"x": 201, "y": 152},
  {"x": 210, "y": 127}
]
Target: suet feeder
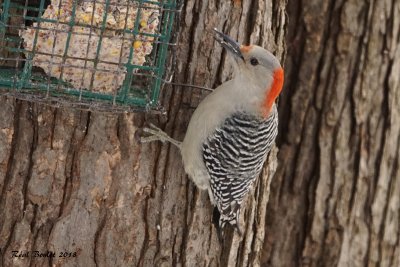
[{"x": 106, "y": 55}]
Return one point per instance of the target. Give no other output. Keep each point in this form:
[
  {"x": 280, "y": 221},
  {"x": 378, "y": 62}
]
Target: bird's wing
[{"x": 234, "y": 155}]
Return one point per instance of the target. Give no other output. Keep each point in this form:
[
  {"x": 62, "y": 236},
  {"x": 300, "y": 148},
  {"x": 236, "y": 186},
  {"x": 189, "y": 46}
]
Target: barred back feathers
[{"x": 234, "y": 156}]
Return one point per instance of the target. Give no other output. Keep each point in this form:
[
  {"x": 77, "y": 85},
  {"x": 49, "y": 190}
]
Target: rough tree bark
[
  {"x": 335, "y": 198},
  {"x": 74, "y": 181}
]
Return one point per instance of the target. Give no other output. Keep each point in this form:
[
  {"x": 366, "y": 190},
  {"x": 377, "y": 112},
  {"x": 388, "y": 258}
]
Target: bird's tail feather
[{"x": 220, "y": 220}]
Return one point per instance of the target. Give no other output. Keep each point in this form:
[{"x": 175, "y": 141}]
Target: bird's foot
[{"x": 157, "y": 135}]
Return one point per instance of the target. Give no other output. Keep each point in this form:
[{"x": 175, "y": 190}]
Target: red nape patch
[
  {"x": 245, "y": 48},
  {"x": 273, "y": 92}
]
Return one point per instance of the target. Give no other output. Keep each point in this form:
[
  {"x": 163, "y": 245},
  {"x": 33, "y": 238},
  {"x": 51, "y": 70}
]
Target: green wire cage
[{"x": 107, "y": 55}]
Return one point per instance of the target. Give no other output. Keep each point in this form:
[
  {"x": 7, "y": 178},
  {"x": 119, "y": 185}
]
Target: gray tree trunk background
[
  {"x": 335, "y": 198},
  {"x": 80, "y": 182}
]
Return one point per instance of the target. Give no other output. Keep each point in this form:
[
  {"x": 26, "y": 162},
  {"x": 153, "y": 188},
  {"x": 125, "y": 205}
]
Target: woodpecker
[{"x": 232, "y": 130}]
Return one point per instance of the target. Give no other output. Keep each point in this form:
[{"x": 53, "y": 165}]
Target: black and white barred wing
[{"x": 234, "y": 155}]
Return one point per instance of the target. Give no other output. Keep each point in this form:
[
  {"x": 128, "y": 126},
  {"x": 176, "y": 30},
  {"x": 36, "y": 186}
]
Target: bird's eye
[{"x": 253, "y": 61}]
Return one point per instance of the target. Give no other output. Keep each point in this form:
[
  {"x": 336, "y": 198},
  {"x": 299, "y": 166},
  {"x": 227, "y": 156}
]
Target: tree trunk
[
  {"x": 74, "y": 181},
  {"x": 335, "y": 198}
]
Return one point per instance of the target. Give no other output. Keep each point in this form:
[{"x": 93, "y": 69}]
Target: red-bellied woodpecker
[{"x": 232, "y": 130}]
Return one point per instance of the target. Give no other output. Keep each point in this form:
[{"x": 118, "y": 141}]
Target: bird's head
[{"x": 259, "y": 68}]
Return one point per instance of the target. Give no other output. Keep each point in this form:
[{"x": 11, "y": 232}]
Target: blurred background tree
[{"x": 335, "y": 199}]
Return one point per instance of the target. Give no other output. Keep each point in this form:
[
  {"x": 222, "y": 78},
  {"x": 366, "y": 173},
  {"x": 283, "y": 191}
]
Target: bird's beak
[{"x": 228, "y": 43}]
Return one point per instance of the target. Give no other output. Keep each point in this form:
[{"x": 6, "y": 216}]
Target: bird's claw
[
  {"x": 156, "y": 134},
  {"x": 149, "y": 139}
]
